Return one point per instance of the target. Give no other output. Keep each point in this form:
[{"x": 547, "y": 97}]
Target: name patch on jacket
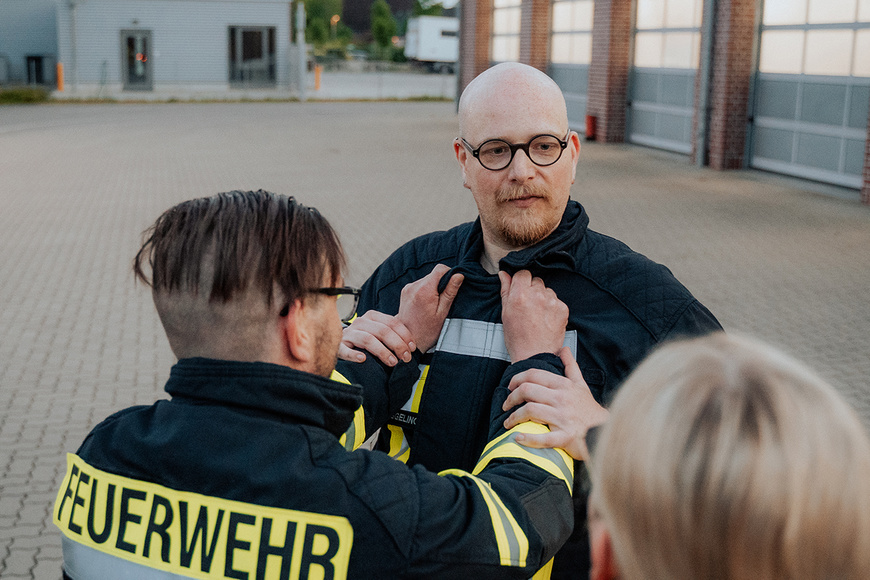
[{"x": 197, "y": 535}]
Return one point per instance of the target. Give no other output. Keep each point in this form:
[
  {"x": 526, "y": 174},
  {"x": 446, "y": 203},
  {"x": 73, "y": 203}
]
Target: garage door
[
  {"x": 571, "y": 53},
  {"x": 812, "y": 90},
  {"x": 661, "y": 91}
]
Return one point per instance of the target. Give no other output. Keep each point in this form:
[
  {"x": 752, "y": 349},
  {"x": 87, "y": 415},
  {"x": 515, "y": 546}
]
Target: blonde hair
[{"x": 725, "y": 458}]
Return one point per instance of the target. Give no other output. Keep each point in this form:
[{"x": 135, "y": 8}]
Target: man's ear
[
  {"x": 462, "y": 157},
  {"x": 604, "y": 565},
  {"x": 574, "y": 147},
  {"x": 298, "y": 332}
]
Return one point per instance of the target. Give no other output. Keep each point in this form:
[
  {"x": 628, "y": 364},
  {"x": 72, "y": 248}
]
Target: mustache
[{"x": 511, "y": 191}]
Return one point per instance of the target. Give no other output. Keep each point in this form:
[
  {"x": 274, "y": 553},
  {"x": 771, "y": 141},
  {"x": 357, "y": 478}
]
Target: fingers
[
  {"x": 572, "y": 369},
  {"x": 382, "y": 335},
  {"x": 450, "y": 292},
  {"x": 505, "y": 280},
  {"x": 350, "y": 355},
  {"x": 438, "y": 272}
]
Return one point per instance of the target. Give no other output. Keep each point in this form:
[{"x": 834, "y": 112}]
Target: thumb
[
  {"x": 505, "y": 280},
  {"x": 450, "y": 292},
  {"x": 572, "y": 369}
]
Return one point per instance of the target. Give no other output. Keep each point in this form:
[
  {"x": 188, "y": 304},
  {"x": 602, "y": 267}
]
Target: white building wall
[
  {"x": 27, "y": 27},
  {"x": 189, "y": 39}
]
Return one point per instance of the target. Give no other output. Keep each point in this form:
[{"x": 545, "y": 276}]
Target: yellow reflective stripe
[
  {"x": 338, "y": 377},
  {"x": 418, "y": 389},
  {"x": 556, "y": 462},
  {"x": 194, "y": 535},
  {"x": 513, "y": 545},
  {"x": 356, "y": 433},
  {"x": 399, "y": 448},
  {"x": 545, "y": 572}
]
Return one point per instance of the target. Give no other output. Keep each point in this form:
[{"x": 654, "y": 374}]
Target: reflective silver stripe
[
  {"x": 350, "y": 435},
  {"x": 404, "y": 446},
  {"x": 513, "y": 542},
  {"x": 483, "y": 339},
  {"x": 550, "y": 455},
  {"x": 84, "y": 563}
]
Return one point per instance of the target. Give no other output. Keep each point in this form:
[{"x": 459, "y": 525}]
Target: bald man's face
[{"x": 522, "y": 203}]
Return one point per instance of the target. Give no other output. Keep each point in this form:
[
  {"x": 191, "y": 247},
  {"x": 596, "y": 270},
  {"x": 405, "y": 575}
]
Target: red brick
[{"x": 608, "y": 72}]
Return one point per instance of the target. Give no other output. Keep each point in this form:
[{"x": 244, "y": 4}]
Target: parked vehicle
[{"x": 434, "y": 42}]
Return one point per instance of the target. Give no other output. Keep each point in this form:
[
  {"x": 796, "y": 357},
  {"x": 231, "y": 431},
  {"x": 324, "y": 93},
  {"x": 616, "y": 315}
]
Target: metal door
[{"x": 136, "y": 60}]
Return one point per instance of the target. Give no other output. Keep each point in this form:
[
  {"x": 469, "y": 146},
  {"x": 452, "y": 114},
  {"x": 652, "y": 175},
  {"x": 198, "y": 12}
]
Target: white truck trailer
[{"x": 434, "y": 42}]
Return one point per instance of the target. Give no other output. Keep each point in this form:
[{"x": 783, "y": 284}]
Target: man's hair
[
  {"x": 238, "y": 241},
  {"x": 725, "y": 458}
]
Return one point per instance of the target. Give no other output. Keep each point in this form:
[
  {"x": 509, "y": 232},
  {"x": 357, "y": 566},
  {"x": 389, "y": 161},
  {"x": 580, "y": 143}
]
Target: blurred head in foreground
[{"x": 725, "y": 458}]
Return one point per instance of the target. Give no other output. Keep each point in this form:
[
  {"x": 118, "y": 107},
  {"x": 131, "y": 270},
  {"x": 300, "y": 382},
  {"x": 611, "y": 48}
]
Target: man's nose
[{"x": 521, "y": 168}]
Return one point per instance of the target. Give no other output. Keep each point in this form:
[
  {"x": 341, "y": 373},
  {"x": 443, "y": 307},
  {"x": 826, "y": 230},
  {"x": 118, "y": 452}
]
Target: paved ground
[{"x": 78, "y": 183}]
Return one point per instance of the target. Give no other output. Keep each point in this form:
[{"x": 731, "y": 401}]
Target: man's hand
[
  {"x": 533, "y": 317},
  {"x": 423, "y": 310},
  {"x": 382, "y": 335},
  {"x": 565, "y": 404},
  {"x": 417, "y": 325}
]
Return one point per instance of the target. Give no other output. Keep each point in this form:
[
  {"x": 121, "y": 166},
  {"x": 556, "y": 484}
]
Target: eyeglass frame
[
  {"x": 514, "y": 147},
  {"x": 333, "y": 291}
]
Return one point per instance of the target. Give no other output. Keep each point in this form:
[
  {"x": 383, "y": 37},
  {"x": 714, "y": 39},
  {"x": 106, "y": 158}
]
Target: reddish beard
[{"x": 523, "y": 227}]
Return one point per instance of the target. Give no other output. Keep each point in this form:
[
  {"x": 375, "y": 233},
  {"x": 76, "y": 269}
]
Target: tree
[
  {"x": 427, "y": 8},
  {"x": 383, "y": 23},
  {"x": 317, "y": 19}
]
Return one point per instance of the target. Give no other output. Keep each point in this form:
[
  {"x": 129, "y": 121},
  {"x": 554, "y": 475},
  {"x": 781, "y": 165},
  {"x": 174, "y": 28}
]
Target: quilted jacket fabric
[{"x": 621, "y": 306}]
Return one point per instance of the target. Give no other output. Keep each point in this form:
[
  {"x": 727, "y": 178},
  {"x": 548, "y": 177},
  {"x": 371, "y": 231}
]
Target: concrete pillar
[{"x": 608, "y": 73}]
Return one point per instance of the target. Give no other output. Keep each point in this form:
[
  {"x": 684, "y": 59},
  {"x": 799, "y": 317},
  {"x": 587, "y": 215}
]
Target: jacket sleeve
[
  {"x": 504, "y": 519},
  {"x": 385, "y": 390},
  {"x": 695, "y": 320}
]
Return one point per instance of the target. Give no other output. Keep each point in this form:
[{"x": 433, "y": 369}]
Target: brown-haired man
[{"x": 241, "y": 474}]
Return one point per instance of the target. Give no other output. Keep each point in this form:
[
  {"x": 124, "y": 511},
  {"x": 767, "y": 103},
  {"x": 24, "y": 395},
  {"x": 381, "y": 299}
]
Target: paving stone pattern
[{"x": 79, "y": 183}]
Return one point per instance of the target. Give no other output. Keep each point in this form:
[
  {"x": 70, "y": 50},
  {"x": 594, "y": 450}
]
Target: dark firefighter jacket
[
  {"x": 241, "y": 475},
  {"x": 621, "y": 306}
]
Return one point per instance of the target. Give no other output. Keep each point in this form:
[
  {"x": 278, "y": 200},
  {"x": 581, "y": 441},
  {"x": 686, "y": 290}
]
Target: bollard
[
  {"x": 318, "y": 68},
  {"x": 60, "y": 77}
]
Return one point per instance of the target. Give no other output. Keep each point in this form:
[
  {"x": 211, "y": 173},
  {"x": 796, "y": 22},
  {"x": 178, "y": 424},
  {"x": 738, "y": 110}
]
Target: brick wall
[
  {"x": 608, "y": 72},
  {"x": 732, "y": 70},
  {"x": 535, "y": 33},
  {"x": 476, "y": 26}
]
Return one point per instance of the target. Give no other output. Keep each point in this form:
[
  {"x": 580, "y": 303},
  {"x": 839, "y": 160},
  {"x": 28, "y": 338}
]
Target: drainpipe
[
  {"x": 74, "y": 51},
  {"x": 300, "y": 49},
  {"x": 705, "y": 72}
]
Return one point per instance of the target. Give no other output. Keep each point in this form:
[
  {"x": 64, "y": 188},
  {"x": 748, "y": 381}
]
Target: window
[
  {"x": 252, "y": 55},
  {"x": 571, "y": 39},
  {"x": 816, "y": 37},
  {"x": 506, "y": 17},
  {"x": 668, "y": 34}
]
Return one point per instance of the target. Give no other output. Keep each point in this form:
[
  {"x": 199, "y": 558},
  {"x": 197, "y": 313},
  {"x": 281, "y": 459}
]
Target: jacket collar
[
  {"x": 286, "y": 394},
  {"x": 553, "y": 252}
]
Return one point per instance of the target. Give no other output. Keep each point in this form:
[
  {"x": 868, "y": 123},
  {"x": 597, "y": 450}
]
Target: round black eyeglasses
[{"x": 497, "y": 154}]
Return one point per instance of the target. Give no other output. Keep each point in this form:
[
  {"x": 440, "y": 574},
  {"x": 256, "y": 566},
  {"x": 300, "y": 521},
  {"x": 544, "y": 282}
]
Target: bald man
[{"x": 518, "y": 157}]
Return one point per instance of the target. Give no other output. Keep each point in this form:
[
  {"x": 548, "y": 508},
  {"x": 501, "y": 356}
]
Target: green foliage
[
  {"x": 19, "y": 95},
  {"x": 322, "y": 9},
  {"x": 318, "y": 14},
  {"x": 317, "y": 32},
  {"x": 427, "y": 8},
  {"x": 383, "y": 24}
]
